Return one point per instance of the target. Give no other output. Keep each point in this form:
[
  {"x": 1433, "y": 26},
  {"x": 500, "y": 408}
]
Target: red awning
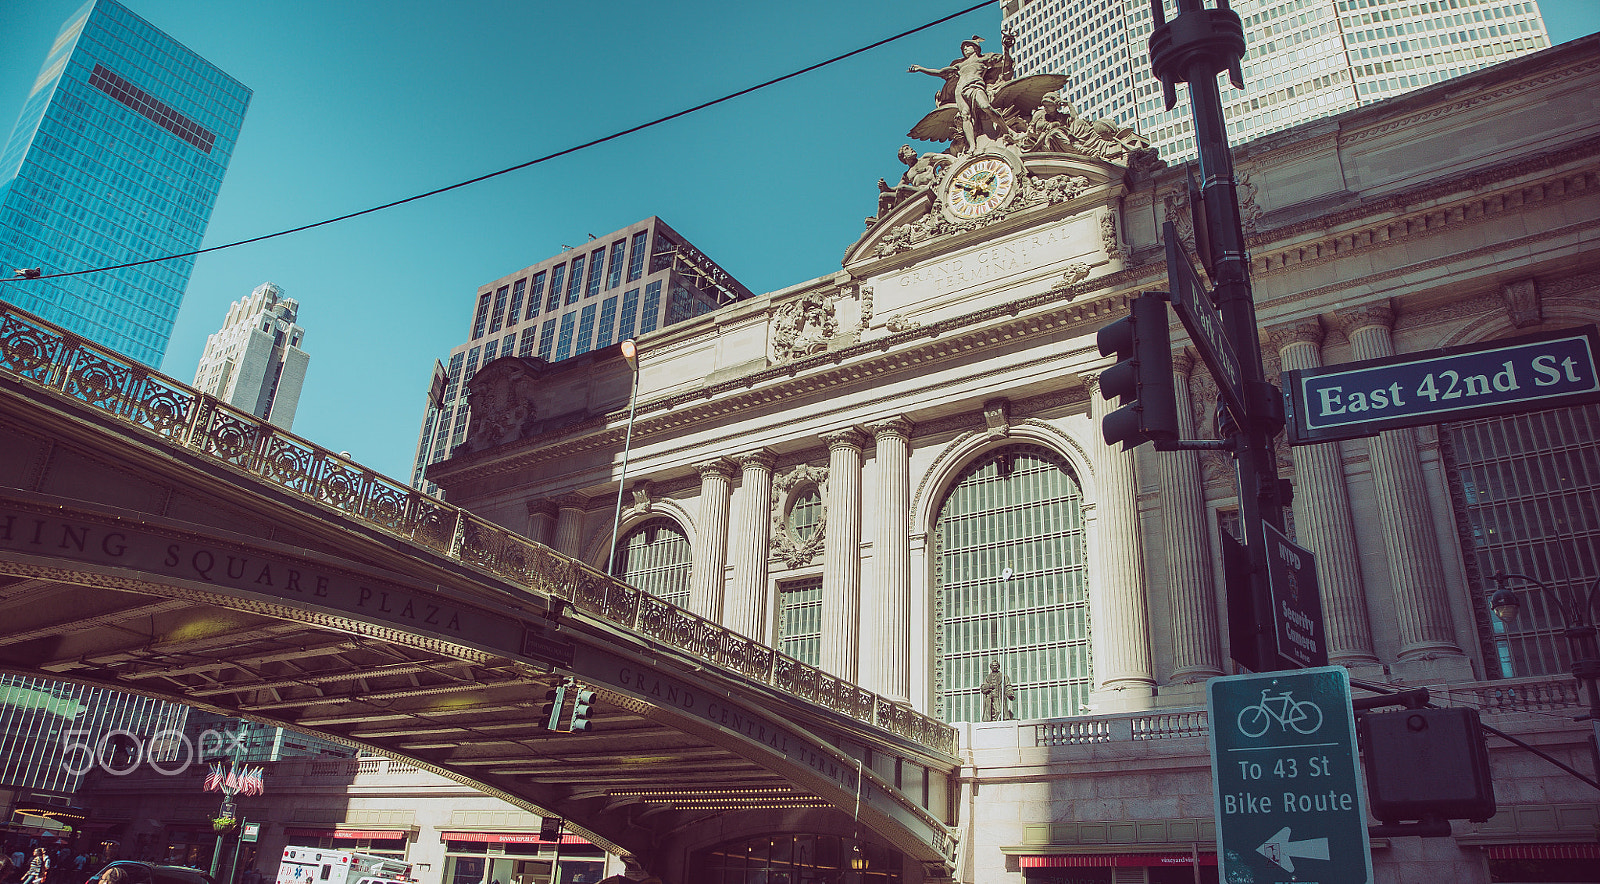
[
  {"x": 510, "y": 837},
  {"x": 349, "y": 834},
  {"x": 1543, "y": 851},
  {"x": 1113, "y": 860}
]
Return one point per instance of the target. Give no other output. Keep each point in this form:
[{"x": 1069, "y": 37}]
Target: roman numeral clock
[{"x": 979, "y": 187}]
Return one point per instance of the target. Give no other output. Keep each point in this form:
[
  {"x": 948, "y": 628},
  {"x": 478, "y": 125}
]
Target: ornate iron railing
[{"x": 51, "y": 358}]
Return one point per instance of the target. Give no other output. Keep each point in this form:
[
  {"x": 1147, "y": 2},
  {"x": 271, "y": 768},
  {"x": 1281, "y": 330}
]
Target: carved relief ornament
[{"x": 787, "y": 545}]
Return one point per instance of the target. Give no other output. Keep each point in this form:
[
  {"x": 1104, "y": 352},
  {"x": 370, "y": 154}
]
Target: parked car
[{"x": 153, "y": 873}]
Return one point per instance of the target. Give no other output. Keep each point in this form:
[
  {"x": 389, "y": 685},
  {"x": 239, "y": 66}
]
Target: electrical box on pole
[
  {"x": 1427, "y": 764},
  {"x": 1141, "y": 380}
]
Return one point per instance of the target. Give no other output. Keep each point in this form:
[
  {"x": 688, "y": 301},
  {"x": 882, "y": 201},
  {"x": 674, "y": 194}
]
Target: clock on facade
[{"x": 980, "y": 186}]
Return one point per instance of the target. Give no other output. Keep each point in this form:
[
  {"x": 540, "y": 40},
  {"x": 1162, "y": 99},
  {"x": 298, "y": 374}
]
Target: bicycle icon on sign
[{"x": 1303, "y": 716}]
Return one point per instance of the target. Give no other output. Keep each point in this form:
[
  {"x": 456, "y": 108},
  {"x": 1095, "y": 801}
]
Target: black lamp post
[{"x": 1580, "y": 633}]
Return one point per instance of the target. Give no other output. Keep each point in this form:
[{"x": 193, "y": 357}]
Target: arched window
[
  {"x": 655, "y": 557},
  {"x": 1011, "y": 585}
]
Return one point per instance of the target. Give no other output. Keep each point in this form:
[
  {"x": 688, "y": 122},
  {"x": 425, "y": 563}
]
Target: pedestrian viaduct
[{"x": 156, "y": 541}]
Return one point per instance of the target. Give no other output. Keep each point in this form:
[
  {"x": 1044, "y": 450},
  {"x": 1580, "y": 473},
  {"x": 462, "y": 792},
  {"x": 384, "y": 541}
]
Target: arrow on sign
[{"x": 1282, "y": 851}]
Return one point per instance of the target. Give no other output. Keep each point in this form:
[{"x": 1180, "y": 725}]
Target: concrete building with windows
[
  {"x": 1305, "y": 58},
  {"x": 895, "y": 470},
  {"x": 117, "y": 157},
  {"x": 629, "y": 282},
  {"x": 255, "y": 361}
]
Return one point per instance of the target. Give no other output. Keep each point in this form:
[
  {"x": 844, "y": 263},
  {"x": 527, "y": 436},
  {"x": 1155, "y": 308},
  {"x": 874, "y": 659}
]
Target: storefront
[{"x": 520, "y": 858}]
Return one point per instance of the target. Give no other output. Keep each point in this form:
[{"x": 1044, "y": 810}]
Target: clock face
[{"x": 980, "y": 187}]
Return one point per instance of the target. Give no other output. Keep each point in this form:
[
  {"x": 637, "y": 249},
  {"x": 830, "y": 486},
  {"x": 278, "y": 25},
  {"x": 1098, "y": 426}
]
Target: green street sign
[{"x": 1286, "y": 776}]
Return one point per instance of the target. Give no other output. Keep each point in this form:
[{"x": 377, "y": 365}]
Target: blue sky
[{"x": 360, "y": 102}]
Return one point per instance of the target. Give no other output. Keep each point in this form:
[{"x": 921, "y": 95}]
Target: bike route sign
[{"x": 1290, "y": 806}]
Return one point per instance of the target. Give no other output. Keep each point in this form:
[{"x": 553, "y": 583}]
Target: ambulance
[{"x": 314, "y": 865}]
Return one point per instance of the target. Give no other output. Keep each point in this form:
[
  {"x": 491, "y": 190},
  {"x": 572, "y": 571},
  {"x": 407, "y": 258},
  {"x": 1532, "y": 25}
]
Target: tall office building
[
  {"x": 618, "y": 286},
  {"x": 1306, "y": 58},
  {"x": 254, "y": 362},
  {"x": 117, "y": 157}
]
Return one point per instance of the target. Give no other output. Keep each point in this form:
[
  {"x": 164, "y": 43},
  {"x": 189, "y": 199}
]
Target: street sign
[
  {"x": 1457, "y": 383},
  {"x": 250, "y": 832},
  {"x": 1296, "y": 600},
  {"x": 1286, "y": 778},
  {"x": 1193, "y": 305}
]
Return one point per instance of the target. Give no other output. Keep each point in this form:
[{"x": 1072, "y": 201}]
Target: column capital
[
  {"x": 894, "y": 427},
  {"x": 721, "y": 467},
  {"x": 541, "y": 507},
  {"x": 1308, "y": 330},
  {"x": 572, "y": 502},
  {"x": 1378, "y": 313},
  {"x": 1183, "y": 360},
  {"x": 761, "y": 459},
  {"x": 848, "y": 437}
]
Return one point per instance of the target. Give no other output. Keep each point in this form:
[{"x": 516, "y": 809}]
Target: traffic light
[
  {"x": 555, "y": 700},
  {"x": 582, "y": 700},
  {"x": 1141, "y": 381},
  {"x": 1424, "y": 763}
]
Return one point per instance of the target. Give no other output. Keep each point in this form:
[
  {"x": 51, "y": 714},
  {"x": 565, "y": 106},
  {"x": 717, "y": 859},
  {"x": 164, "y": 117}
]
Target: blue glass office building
[{"x": 117, "y": 157}]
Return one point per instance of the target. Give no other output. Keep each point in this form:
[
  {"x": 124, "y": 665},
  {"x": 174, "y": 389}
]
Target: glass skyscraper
[{"x": 117, "y": 157}]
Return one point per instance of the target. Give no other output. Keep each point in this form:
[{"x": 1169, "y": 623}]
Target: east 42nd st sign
[{"x": 1290, "y": 806}]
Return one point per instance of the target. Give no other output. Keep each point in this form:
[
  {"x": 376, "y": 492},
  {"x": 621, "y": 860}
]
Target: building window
[
  {"x": 1528, "y": 493},
  {"x": 480, "y": 322},
  {"x": 651, "y": 313},
  {"x": 564, "y": 341},
  {"x": 536, "y": 297},
  {"x": 805, "y": 514},
  {"x": 489, "y": 350},
  {"x": 608, "y": 321},
  {"x": 585, "y": 330},
  {"x": 557, "y": 275},
  {"x": 654, "y": 557},
  {"x": 519, "y": 289},
  {"x": 529, "y": 340},
  {"x": 800, "y": 620},
  {"x": 547, "y": 339},
  {"x": 1011, "y": 585},
  {"x": 619, "y": 254},
  {"x": 636, "y": 255},
  {"x": 499, "y": 319},
  {"x": 629, "y": 316},
  {"x": 597, "y": 266},
  {"x": 575, "y": 284}
]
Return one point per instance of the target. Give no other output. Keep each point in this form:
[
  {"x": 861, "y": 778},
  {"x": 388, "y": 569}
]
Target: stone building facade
[{"x": 895, "y": 470}]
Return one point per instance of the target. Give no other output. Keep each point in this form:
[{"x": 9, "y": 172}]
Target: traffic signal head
[
  {"x": 582, "y": 700},
  {"x": 1425, "y": 763},
  {"x": 1141, "y": 380},
  {"x": 550, "y": 712}
]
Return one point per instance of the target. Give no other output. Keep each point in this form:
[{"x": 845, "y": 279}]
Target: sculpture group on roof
[{"x": 982, "y": 107}]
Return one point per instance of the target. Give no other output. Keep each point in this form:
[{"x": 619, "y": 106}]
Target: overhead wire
[{"x": 533, "y": 162}]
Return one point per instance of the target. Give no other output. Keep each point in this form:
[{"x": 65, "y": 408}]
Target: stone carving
[
  {"x": 792, "y": 549},
  {"x": 641, "y": 497},
  {"x": 1055, "y": 189},
  {"x": 1055, "y": 126},
  {"x": 998, "y": 694},
  {"x": 1523, "y": 305},
  {"x": 996, "y": 415},
  {"x": 898, "y": 323},
  {"x": 922, "y": 174},
  {"x": 1108, "y": 235},
  {"x": 970, "y": 84},
  {"x": 803, "y": 327},
  {"x": 501, "y": 398}
]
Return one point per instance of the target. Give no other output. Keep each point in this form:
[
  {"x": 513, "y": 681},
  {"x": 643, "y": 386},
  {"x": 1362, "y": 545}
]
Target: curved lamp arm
[{"x": 1505, "y": 605}]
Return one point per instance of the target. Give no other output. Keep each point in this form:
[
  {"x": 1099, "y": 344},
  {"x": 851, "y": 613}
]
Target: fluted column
[
  {"x": 1322, "y": 516},
  {"x": 541, "y": 521},
  {"x": 569, "y": 524},
  {"x": 1196, "y": 642},
  {"x": 841, "y": 575},
  {"x": 708, "y": 577},
  {"x": 1117, "y": 597},
  {"x": 888, "y": 596},
  {"x": 745, "y": 608},
  {"x": 1422, "y": 602}
]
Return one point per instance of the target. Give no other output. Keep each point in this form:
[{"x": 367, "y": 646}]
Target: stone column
[
  {"x": 708, "y": 579},
  {"x": 569, "y": 524},
  {"x": 1196, "y": 642},
  {"x": 888, "y": 597},
  {"x": 1416, "y": 572},
  {"x": 841, "y": 575},
  {"x": 541, "y": 521},
  {"x": 1322, "y": 514},
  {"x": 1116, "y": 595},
  {"x": 745, "y": 609}
]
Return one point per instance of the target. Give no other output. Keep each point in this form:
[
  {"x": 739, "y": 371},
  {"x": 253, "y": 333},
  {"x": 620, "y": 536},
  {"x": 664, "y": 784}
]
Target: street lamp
[
  {"x": 630, "y": 352},
  {"x": 1580, "y": 634}
]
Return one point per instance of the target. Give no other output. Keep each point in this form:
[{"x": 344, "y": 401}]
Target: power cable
[{"x": 534, "y": 162}]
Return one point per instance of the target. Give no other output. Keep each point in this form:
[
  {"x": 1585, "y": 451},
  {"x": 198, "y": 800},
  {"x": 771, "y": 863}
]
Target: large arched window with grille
[
  {"x": 1011, "y": 585},
  {"x": 654, "y": 556}
]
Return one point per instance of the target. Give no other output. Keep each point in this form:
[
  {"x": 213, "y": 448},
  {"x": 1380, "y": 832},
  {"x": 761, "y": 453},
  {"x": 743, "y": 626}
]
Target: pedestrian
[
  {"x": 38, "y": 867},
  {"x": 114, "y": 875}
]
